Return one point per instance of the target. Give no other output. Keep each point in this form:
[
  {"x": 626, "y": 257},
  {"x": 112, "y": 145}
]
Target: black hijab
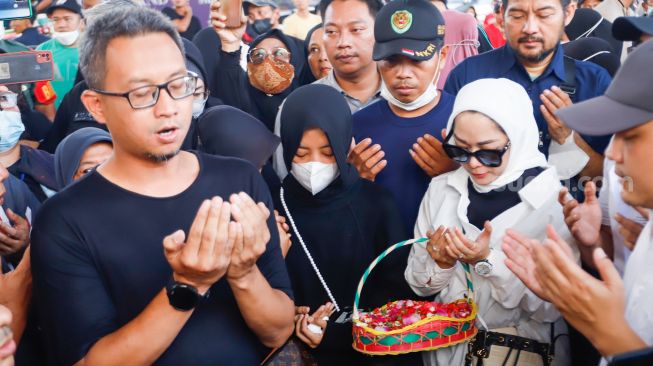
[
  {"x": 323, "y": 107},
  {"x": 589, "y": 23},
  {"x": 594, "y": 50},
  {"x": 68, "y": 154},
  {"x": 268, "y": 105},
  {"x": 307, "y": 76},
  {"x": 228, "y": 131}
]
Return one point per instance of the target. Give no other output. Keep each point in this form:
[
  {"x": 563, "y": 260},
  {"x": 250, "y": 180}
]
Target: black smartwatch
[{"x": 183, "y": 297}]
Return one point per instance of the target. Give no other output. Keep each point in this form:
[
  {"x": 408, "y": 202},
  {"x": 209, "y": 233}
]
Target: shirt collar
[
  {"x": 535, "y": 193},
  {"x": 557, "y": 65},
  {"x": 331, "y": 80}
]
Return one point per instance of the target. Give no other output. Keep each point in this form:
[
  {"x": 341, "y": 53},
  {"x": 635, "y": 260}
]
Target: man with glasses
[
  {"x": 67, "y": 19},
  {"x": 533, "y": 57},
  {"x": 159, "y": 255},
  {"x": 405, "y": 125}
]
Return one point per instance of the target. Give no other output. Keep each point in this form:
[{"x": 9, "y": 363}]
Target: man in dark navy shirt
[
  {"x": 159, "y": 256},
  {"x": 534, "y": 58},
  {"x": 395, "y": 135}
]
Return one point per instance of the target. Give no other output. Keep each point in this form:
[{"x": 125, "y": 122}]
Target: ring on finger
[{"x": 435, "y": 249}]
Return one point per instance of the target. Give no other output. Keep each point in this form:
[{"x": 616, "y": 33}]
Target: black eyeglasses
[
  {"x": 489, "y": 158},
  {"x": 279, "y": 54},
  {"x": 147, "y": 96}
]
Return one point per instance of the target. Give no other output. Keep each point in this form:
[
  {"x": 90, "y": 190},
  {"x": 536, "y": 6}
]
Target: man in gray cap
[
  {"x": 627, "y": 112},
  {"x": 262, "y": 15},
  {"x": 635, "y": 29}
]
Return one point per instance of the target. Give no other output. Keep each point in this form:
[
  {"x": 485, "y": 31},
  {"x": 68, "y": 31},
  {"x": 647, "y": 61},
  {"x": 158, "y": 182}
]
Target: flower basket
[{"x": 412, "y": 326}]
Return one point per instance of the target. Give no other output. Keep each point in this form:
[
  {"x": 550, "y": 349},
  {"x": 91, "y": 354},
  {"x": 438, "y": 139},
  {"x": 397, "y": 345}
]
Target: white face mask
[
  {"x": 314, "y": 176},
  {"x": 427, "y": 97},
  {"x": 198, "y": 107},
  {"x": 11, "y": 127},
  {"x": 66, "y": 38}
]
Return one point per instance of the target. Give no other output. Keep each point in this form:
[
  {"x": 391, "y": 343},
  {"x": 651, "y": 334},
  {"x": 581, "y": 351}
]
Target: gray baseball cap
[
  {"x": 258, "y": 3},
  {"x": 625, "y": 104}
]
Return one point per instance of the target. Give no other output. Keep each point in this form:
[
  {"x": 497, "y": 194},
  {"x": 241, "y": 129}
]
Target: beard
[
  {"x": 540, "y": 56},
  {"x": 161, "y": 158}
]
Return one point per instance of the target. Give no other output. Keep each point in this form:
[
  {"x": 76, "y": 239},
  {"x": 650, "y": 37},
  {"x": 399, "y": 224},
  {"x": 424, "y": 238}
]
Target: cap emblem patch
[{"x": 401, "y": 21}]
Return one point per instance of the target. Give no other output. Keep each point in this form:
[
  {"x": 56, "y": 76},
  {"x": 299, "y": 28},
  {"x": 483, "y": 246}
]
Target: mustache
[{"x": 530, "y": 39}]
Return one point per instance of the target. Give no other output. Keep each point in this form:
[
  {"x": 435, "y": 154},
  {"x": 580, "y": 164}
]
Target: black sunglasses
[{"x": 489, "y": 158}]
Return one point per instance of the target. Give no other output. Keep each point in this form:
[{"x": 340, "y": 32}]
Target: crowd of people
[{"x": 189, "y": 195}]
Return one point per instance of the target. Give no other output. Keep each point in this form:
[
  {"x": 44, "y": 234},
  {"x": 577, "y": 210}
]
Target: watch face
[
  {"x": 183, "y": 297},
  {"x": 483, "y": 268}
]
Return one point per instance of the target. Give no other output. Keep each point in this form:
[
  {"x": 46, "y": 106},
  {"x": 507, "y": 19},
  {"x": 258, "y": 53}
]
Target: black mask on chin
[{"x": 261, "y": 26}]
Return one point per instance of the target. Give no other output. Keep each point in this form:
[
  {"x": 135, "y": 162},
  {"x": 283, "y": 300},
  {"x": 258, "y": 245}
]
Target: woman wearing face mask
[
  {"x": 34, "y": 167},
  {"x": 275, "y": 63},
  {"x": 341, "y": 222},
  {"x": 503, "y": 183},
  {"x": 227, "y": 131},
  {"x": 81, "y": 152}
]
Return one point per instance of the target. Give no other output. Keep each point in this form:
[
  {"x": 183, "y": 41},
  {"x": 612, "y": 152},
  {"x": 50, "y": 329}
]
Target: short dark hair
[
  {"x": 372, "y": 5},
  {"x": 124, "y": 22},
  {"x": 564, "y": 4}
]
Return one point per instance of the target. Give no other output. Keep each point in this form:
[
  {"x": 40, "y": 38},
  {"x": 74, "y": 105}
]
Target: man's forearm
[
  {"x": 142, "y": 340},
  {"x": 594, "y": 167},
  {"x": 267, "y": 311}
]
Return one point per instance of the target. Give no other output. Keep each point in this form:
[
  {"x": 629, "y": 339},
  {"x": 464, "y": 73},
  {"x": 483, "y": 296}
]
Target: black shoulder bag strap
[{"x": 569, "y": 85}]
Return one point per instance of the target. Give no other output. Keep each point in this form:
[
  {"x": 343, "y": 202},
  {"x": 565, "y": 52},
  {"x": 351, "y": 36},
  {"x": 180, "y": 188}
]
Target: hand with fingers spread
[
  {"x": 436, "y": 247},
  {"x": 284, "y": 233},
  {"x": 310, "y": 328},
  {"x": 584, "y": 301},
  {"x": 14, "y": 237},
  {"x": 582, "y": 219},
  {"x": 430, "y": 156},
  {"x": 230, "y": 37},
  {"x": 203, "y": 258},
  {"x": 519, "y": 253},
  {"x": 466, "y": 250},
  {"x": 253, "y": 234},
  {"x": 367, "y": 158},
  {"x": 552, "y": 100}
]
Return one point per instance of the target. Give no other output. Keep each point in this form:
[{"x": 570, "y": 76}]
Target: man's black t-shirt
[
  {"x": 193, "y": 27},
  {"x": 98, "y": 261}
]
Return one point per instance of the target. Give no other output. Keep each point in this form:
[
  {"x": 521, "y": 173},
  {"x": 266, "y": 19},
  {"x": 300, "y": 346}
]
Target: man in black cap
[
  {"x": 262, "y": 15},
  {"x": 635, "y": 29},
  {"x": 627, "y": 112},
  {"x": 405, "y": 156},
  {"x": 67, "y": 19}
]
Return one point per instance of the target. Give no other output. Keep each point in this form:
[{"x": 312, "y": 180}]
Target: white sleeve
[
  {"x": 604, "y": 195},
  {"x": 423, "y": 275},
  {"x": 568, "y": 158}
]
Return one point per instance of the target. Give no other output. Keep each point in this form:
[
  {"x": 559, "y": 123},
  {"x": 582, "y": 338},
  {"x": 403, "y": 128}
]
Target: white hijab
[{"x": 507, "y": 103}]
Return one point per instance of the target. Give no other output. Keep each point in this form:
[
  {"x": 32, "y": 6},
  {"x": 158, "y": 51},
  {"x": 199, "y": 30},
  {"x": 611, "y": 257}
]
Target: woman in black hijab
[
  {"x": 340, "y": 221},
  {"x": 595, "y": 50},
  {"x": 70, "y": 163},
  {"x": 274, "y": 69},
  {"x": 228, "y": 131},
  {"x": 589, "y": 23}
]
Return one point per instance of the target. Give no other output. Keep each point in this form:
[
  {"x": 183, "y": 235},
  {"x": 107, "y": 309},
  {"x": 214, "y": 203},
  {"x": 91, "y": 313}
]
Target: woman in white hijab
[{"x": 503, "y": 183}]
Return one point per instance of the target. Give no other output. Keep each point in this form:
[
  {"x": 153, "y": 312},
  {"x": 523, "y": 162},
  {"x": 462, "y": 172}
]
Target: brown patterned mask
[{"x": 270, "y": 77}]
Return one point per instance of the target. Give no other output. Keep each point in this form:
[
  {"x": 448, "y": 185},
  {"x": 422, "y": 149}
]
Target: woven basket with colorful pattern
[{"x": 430, "y": 333}]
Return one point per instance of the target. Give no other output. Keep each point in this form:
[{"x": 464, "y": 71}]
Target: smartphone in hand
[{"x": 233, "y": 10}]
